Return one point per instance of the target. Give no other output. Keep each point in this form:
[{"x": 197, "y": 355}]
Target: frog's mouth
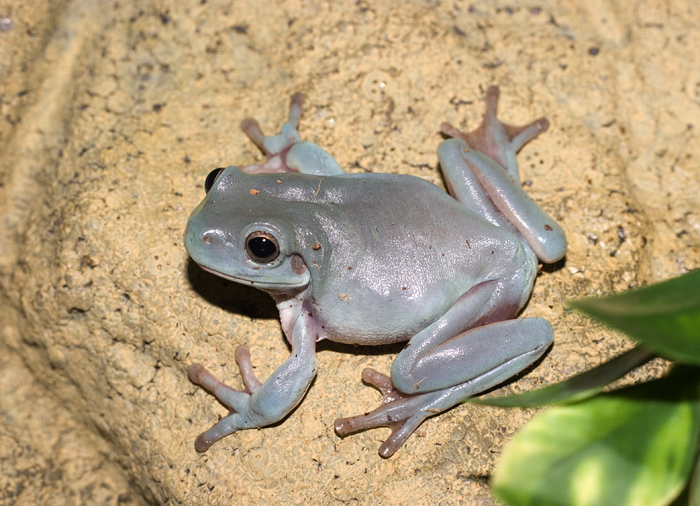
[{"x": 262, "y": 284}]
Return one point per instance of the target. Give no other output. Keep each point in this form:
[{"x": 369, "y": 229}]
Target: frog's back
[
  {"x": 403, "y": 251},
  {"x": 408, "y": 223}
]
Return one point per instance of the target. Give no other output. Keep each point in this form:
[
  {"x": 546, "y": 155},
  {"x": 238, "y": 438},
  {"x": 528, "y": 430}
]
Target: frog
[{"x": 370, "y": 258}]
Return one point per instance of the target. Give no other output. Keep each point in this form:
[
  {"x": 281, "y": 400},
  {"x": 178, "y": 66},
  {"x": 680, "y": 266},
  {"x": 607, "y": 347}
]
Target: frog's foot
[
  {"x": 238, "y": 402},
  {"x": 497, "y": 140},
  {"x": 275, "y": 147},
  {"x": 402, "y": 413},
  {"x": 286, "y": 152}
]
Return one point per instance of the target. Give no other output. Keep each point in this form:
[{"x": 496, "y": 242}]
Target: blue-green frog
[{"x": 380, "y": 258}]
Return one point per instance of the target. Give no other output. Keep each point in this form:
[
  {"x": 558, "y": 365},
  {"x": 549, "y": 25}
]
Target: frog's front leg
[
  {"x": 444, "y": 364},
  {"x": 261, "y": 404},
  {"x": 286, "y": 152}
]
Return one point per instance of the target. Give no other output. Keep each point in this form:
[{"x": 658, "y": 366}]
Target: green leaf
[
  {"x": 635, "y": 446},
  {"x": 576, "y": 388},
  {"x": 664, "y": 317},
  {"x": 694, "y": 486}
]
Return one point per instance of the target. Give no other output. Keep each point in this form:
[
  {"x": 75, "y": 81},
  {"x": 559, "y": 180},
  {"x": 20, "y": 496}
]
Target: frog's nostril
[{"x": 213, "y": 238}]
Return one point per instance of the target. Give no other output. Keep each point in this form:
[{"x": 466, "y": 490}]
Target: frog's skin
[{"x": 376, "y": 259}]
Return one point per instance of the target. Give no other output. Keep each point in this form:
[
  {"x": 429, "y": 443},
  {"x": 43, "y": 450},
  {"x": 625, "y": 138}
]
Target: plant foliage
[{"x": 636, "y": 445}]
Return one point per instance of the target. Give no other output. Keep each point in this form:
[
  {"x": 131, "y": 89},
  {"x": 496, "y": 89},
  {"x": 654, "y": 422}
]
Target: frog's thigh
[
  {"x": 542, "y": 233},
  {"x": 479, "y": 358},
  {"x": 463, "y": 184}
]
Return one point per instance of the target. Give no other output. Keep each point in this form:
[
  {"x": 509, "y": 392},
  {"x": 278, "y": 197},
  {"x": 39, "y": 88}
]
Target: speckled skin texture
[{"x": 111, "y": 114}]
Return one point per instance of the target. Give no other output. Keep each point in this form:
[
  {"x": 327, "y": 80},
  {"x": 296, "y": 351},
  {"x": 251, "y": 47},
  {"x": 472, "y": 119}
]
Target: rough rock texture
[{"x": 114, "y": 112}]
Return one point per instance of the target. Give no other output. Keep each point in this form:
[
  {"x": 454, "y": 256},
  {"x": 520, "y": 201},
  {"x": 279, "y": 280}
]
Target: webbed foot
[
  {"x": 402, "y": 413},
  {"x": 497, "y": 140}
]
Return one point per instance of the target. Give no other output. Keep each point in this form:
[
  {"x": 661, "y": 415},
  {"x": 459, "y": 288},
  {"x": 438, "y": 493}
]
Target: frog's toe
[
  {"x": 296, "y": 104},
  {"x": 402, "y": 413},
  {"x": 220, "y": 430},
  {"x": 252, "y": 129},
  {"x": 229, "y": 397},
  {"x": 451, "y": 131},
  {"x": 521, "y": 135},
  {"x": 250, "y": 381}
]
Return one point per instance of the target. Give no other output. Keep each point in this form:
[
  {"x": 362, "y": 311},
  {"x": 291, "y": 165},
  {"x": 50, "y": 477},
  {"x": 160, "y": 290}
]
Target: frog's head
[{"x": 241, "y": 232}]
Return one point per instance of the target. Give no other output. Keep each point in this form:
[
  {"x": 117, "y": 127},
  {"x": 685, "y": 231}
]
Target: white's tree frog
[{"x": 380, "y": 258}]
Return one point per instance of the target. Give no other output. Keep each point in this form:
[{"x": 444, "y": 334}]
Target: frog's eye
[
  {"x": 262, "y": 247},
  {"x": 211, "y": 178}
]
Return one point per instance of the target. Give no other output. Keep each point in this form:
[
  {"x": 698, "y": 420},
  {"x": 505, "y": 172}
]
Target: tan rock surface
[{"x": 114, "y": 112}]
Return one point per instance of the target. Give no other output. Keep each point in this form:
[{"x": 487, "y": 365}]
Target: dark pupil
[
  {"x": 262, "y": 247},
  {"x": 211, "y": 178}
]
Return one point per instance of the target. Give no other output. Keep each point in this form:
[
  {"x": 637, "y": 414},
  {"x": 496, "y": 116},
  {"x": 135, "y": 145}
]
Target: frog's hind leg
[
  {"x": 286, "y": 151},
  {"x": 468, "y": 350},
  {"x": 482, "y": 173},
  {"x": 404, "y": 412}
]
